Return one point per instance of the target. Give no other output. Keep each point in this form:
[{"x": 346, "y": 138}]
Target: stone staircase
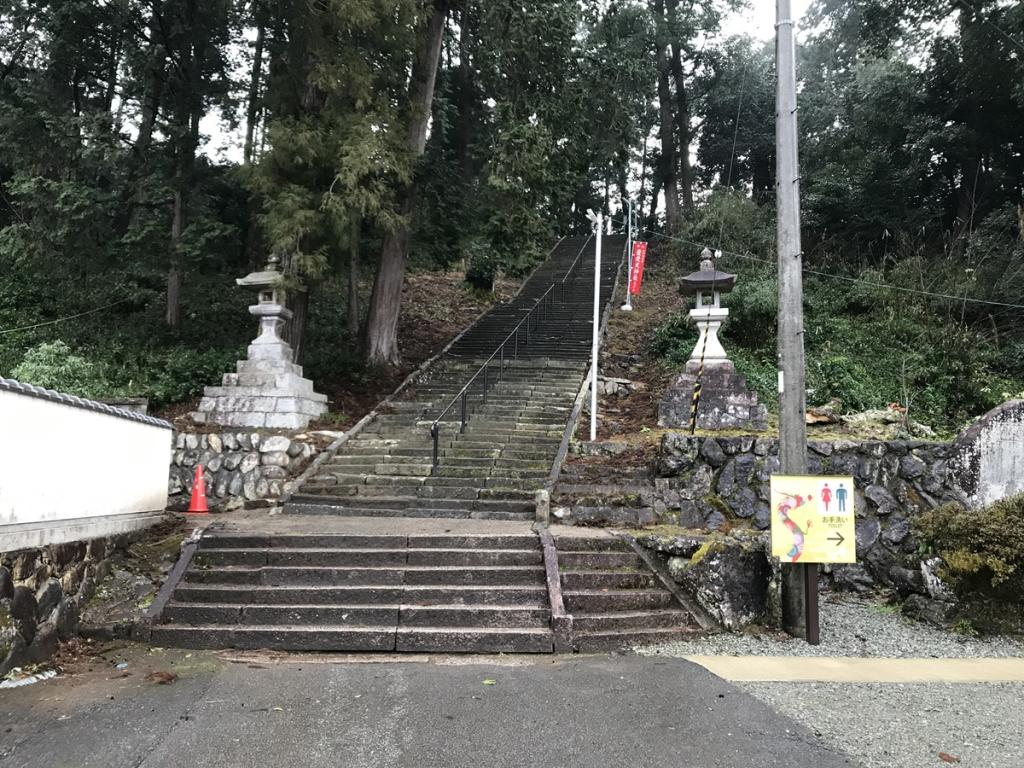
[
  {"x": 614, "y": 599},
  {"x": 379, "y": 550},
  {"x": 351, "y": 592}
]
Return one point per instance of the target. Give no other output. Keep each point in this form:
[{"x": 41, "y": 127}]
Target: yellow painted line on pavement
[{"x": 840, "y": 669}]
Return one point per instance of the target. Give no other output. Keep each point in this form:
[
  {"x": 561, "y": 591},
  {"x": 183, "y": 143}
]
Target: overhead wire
[
  {"x": 92, "y": 311},
  {"x": 844, "y": 278},
  {"x": 989, "y": 22}
]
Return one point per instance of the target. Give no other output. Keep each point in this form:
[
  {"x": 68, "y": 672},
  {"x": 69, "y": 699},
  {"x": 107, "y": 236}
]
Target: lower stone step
[
  {"x": 474, "y": 640},
  {"x": 285, "y": 638},
  {"x": 591, "y": 642},
  {"x": 604, "y": 601},
  {"x": 197, "y": 614},
  {"x": 670, "y": 618},
  {"x": 309, "y": 505},
  {"x": 342, "y": 594},
  {"x": 474, "y": 616}
]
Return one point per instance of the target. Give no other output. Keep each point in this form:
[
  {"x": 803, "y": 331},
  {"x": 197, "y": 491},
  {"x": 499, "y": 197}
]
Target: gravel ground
[
  {"x": 852, "y": 627},
  {"x": 908, "y": 726},
  {"x": 888, "y": 725}
]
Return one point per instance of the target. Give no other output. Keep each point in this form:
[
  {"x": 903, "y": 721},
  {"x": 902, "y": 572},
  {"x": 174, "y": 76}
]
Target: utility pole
[
  {"x": 628, "y": 306},
  {"x": 799, "y": 582}
]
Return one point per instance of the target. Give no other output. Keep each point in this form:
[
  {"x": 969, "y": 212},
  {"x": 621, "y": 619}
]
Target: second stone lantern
[
  {"x": 725, "y": 401},
  {"x": 267, "y": 389}
]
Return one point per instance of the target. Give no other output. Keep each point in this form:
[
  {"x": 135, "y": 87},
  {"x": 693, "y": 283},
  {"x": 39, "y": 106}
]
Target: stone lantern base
[
  {"x": 267, "y": 391},
  {"x": 725, "y": 400}
]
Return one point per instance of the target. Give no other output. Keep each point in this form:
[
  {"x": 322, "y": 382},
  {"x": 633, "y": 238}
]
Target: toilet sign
[{"x": 812, "y": 519}]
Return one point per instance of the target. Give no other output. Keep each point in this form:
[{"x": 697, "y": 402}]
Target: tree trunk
[
  {"x": 156, "y": 61},
  {"x": 682, "y": 120},
  {"x": 353, "y": 277},
  {"x": 176, "y": 270},
  {"x": 641, "y": 195},
  {"x": 252, "y": 107},
  {"x": 298, "y": 303},
  {"x": 467, "y": 123},
  {"x": 667, "y": 164},
  {"x": 685, "y": 132},
  {"x": 386, "y": 299}
]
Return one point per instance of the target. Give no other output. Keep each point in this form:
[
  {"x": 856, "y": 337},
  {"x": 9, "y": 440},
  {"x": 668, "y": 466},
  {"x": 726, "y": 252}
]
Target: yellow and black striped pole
[{"x": 703, "y": 349}]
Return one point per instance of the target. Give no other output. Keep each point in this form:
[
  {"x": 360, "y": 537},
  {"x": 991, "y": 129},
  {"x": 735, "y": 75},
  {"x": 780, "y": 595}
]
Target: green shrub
[
  {"x": 54, "y": 366},
  {"x": 674, "y": 339},
  {"x": 482, "y": 266},
  {"x": 983, "y": 549}
]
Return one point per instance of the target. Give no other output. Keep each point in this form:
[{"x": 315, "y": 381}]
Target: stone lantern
[
  {"x": 268, "y": 389},
  {"x": 725, "y": 400},
  {"x": 271, "y": 310}
]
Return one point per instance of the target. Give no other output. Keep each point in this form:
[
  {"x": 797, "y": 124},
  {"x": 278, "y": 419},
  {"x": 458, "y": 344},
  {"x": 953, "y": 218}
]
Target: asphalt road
[{"x": 587, "y": 712}]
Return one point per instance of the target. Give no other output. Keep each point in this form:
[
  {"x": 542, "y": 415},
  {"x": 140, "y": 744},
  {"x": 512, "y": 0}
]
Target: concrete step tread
[
  {"x": 395, "y": 567},
  {"x": 612, "y": 591},
  {"x": 387, "y": 606},
  {"x": 363, "y": 550}
]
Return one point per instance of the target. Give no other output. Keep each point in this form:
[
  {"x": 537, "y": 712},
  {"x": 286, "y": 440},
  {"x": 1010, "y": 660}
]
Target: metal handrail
[
  {"x": 483, "y": 369},
  {"x": 568, "y": 272}
]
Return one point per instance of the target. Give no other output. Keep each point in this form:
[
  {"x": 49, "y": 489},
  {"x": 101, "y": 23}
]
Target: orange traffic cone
[{"x": 198, "y": 503}]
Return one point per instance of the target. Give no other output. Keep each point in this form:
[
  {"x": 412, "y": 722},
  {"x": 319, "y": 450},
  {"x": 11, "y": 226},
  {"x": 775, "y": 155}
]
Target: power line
[
  {"x": 996, "y": 27},
  {"x": 844, "y": 278},
  {"x": 64, "y": 319}
]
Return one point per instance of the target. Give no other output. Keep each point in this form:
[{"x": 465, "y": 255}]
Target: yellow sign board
[{"x": 812, "y": 519}]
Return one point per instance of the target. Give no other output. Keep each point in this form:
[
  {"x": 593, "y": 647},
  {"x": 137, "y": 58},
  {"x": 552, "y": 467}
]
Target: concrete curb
[
  {"x": 143, "y": 627},
  {"x": 561, "y": 622},
  {"x": 845, "y": 669}
]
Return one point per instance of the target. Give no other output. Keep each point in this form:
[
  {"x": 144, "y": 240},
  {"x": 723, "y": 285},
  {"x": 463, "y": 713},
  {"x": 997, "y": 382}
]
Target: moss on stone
[
  {"x": 710, "y": 547},
  {"x": 716, "y": 501}
]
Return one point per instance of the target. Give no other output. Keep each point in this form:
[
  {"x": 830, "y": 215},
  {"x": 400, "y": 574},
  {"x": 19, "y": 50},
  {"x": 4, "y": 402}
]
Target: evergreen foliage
[{"x": 359, "y": 164}]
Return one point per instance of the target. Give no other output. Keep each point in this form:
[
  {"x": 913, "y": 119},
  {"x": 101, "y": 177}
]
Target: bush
[
  {"x": 983, "y": 549},
  {"x": 54, "y": 366},
  {"x": 482, "y": 266}
]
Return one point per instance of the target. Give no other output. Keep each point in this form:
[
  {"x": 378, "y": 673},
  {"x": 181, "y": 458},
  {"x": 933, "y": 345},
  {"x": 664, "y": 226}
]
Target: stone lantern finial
[{"x": 707, "y": 260}]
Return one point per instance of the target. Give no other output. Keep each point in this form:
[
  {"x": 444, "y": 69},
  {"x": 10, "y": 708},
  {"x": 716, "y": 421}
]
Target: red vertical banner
[{"x": 636, "y": 274}]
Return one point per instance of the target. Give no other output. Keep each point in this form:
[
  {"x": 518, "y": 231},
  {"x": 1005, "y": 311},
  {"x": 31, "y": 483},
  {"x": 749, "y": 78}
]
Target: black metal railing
[
  {"x": 534, "y": 318},
  {"x": 572, "y": 267}
]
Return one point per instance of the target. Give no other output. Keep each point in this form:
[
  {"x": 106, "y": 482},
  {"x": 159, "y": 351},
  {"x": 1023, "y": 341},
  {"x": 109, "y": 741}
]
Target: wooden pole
[{"x": 796, "y": 579}]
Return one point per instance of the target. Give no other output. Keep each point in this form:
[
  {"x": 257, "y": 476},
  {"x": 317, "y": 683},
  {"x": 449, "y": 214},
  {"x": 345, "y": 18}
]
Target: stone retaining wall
[
  {"x": 43, "y": 592},
  {"x": 245, "y": 466},
  {"x": 723, "y": 483}
]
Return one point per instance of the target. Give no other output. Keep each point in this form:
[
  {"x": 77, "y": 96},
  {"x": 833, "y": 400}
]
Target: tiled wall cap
[{"x": 10, "y": 385}]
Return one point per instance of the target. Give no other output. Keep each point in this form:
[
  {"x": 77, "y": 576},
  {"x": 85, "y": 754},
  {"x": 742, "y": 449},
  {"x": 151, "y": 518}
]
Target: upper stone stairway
[{"x": 516, "y": 412}]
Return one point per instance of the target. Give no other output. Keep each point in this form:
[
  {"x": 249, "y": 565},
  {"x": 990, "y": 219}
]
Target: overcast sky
[{"x": 759, "y": 19}]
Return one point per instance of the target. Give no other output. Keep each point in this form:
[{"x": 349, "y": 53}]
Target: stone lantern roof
[
  {"x": 269, "y": 275},
  {"x": 707, "y": 278}
]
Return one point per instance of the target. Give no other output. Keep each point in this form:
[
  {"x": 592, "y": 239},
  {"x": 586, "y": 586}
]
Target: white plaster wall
[
  {"x": 61, "y": 462},
  {"x": 1001, "y": 470}
]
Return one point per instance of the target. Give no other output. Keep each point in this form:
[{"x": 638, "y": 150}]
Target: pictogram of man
[{"x": 841, "y": 494}]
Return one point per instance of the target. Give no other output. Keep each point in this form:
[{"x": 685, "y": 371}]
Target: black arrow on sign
[{"x": 838, "y": 538}]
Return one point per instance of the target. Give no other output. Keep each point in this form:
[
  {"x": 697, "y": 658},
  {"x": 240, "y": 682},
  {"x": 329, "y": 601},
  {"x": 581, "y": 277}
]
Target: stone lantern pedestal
[
  {"x": 267, "y": 389},
  {"x": 725, "y": 401}
]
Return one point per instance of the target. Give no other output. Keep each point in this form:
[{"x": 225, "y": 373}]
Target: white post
[
  {"x": 597, "y": 329},
  {"x": 628, "y": 306}
]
